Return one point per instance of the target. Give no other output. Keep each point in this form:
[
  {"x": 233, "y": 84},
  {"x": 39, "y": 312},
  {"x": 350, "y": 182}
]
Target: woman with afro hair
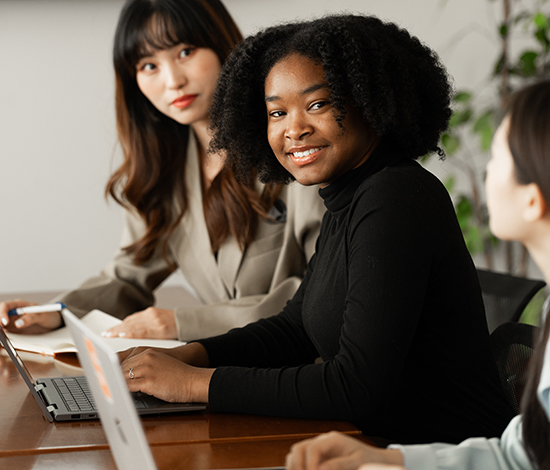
[{"x": 387, "y": 329}]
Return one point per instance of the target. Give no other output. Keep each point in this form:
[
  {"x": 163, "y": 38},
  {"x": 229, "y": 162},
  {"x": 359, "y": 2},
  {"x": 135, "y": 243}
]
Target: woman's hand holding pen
[
  {"x": 32, "y": 324},
  {"x": 152, "y": 323},
  {"x": 174, "y": 375}
]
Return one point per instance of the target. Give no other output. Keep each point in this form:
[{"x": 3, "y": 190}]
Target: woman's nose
[
  {"x": 175, "y": 76},
  {"x": 297, "y": 127}
]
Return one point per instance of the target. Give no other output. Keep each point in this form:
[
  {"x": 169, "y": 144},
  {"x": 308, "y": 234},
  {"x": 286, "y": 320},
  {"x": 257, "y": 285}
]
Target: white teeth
[{"x": 307, "y": 152}]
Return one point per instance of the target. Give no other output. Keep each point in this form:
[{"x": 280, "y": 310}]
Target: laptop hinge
[{"x": 38, "y": 387}]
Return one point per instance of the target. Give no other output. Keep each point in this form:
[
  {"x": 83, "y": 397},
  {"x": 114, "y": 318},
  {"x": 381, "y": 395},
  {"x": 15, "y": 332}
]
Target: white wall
[{"x": 57, "y": 129}]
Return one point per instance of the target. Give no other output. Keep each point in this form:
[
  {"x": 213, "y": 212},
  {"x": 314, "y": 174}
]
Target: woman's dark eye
[
  {"x": 319, "y": 105},
  {"x": 186, "y": 52},
  {"x": 147, "y": 67}
]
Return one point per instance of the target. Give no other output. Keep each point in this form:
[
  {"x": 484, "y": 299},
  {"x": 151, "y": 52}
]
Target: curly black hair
[{"x": 397, "y": 83}]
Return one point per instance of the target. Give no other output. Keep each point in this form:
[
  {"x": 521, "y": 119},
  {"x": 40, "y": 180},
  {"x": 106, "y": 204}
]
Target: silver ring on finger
[{"x": 131, "y": 373}]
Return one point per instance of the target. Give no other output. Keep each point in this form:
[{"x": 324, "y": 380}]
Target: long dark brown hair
[
  {"x": 151, "y": 178},
  {"x": 529, "y": 141}
]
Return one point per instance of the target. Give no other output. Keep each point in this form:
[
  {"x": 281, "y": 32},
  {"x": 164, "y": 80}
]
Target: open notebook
[{"x": 60, "y": 341}]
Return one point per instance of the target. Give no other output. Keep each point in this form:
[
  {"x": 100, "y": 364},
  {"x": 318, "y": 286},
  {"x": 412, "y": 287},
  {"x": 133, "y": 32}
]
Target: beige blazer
[{"x": 235, "y": 288}]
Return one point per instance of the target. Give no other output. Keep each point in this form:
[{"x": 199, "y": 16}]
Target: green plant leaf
[
  {"x": 503, "y": 30},
  {"x": 464, "y": 211},
  {"x": 542, "y": 38},
  {"x": 450, "y": 143},
  {"x": 462, "y": 97},
  {"x": 484, "y": 128},
  {"x": 474, "y": 240},
  {"x": 477, "y": 242},
  {"x": 528, "y": 63},
  {"x": 460, "y": 117},
  {"x": 486, "y": 138},
  {"x": 449, "y": 184},
  {"x": 541, "y": 21}
]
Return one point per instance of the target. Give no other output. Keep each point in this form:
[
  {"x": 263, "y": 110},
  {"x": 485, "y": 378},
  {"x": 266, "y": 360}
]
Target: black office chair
[
  {"x": 505, "y": 296},
  {"x": 512, "y": 345}
]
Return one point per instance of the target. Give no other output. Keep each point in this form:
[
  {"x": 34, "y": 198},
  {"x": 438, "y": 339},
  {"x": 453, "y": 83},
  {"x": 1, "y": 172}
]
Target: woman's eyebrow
[
  {"x": 308, "y": 90},
  {"x": 313, "y": 88}
]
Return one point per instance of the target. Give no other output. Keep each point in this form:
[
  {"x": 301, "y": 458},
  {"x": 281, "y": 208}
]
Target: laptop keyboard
[{"x": 75, "y": 393}]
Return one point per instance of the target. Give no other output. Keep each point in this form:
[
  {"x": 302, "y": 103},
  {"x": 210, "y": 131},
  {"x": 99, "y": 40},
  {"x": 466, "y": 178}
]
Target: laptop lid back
[{"x": 117, "y": 413}]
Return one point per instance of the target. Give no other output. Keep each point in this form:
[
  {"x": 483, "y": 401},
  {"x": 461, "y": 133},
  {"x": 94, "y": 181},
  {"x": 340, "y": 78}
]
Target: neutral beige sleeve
[
  {"x": 203, "y": 321},
  {"x": 122, "y": 287}
]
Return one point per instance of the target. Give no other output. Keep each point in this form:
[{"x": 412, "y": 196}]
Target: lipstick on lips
[
  {"x": 303, "y": 155},
  {"x": 184, "y": 101}
]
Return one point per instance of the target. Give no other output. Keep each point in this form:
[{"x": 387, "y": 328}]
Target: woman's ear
[{"x": 535, "y": 205}]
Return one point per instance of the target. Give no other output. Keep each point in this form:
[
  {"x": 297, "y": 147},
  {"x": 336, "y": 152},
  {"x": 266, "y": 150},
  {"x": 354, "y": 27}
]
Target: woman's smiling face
[{"x": 301, "y": 126}]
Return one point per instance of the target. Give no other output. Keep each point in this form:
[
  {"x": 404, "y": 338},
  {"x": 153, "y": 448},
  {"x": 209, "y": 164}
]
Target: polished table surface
[
  {"x": 190, "y": 456},
  {"x": 194, "y": 440}
]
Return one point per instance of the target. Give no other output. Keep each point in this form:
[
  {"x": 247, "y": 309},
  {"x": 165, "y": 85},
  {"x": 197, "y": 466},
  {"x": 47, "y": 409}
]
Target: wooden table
[
  {"x": 199, "y": 440},
  {"x": 235, "y": 455}
]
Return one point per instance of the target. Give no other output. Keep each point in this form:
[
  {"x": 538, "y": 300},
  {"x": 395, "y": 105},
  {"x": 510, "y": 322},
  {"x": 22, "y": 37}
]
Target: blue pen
[{"x": 57, "y": 307}]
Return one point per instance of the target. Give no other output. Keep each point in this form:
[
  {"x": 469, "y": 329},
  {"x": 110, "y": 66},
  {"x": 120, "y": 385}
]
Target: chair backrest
[
  {"x": 505, "y": 296},
  {"x": 512, "y": 345}
]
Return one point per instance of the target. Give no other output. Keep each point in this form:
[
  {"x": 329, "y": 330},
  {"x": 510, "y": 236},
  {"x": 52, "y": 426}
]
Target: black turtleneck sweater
[{"x": 392, "y": 305}]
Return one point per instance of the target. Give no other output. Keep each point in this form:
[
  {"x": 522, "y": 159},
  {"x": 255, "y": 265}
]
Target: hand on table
[
  {"x": 154, "y": 323},
  {"x": 155, "y": 372},
  {"x": 336, "y": 451},
  {"x": 31, "y": 324}
]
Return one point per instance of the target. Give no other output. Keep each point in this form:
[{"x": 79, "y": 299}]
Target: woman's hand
[
  {"x": 193, "y": 354},
  {"x": 336, "y": 451},
  {"x": 152, "y": 323},
  {"x": 32, "y": 324},
  {"x": 156, "y": 373}
]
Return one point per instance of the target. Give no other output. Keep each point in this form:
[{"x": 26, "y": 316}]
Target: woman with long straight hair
[
  {"x": 518, "y": 198},
  {"x": 242, "y": 245}
]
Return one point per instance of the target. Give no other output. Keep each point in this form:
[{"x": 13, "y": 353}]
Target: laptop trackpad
[{"x": 142, "y": 400}]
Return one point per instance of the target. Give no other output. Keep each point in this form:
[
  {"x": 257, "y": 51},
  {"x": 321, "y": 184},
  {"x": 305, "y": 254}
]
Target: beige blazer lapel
[
  {"x": 230, "y": 257},
  {"x": 190, "y": 243}
]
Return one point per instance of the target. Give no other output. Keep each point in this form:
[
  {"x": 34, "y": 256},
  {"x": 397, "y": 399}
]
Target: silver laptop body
[{"x": 69, "y": 398}]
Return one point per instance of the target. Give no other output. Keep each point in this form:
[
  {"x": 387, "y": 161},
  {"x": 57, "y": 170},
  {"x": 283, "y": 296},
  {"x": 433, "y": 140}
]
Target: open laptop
[
  {"x": 117, "y": 413},
  {"x": 70, "y": 399},
  {"x": 118, "y": 416}
]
